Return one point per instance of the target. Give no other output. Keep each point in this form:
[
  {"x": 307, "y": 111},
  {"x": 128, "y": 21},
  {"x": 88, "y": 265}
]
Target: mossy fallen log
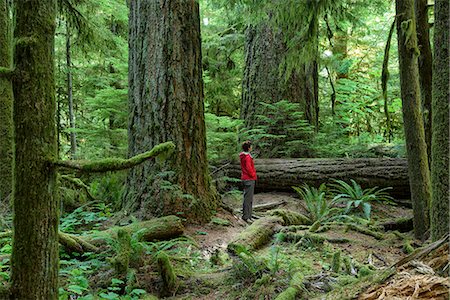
[
  {"x": 295, "y": 288},
  {"x": 256, "y": 235},
  {"x": 282, "y": 174},
  {"x": 163, "y": 228},
  {"x": 290, "y": 217}
]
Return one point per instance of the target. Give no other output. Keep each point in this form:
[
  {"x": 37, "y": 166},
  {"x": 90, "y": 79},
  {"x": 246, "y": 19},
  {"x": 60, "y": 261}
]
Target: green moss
[
  {"x": 291, "y": 217},
  {"x": 407, "y": 247},
  {"x": 116, "y": 164},
  {"x": 256, "y": 235},
  {"x": 377, "y": 235},
  {"x": 336, "y": 263},
  {"x": 166, "y": 271},
  {"x": 289, "y": 294},
  {"x": 122, "y": 260}
]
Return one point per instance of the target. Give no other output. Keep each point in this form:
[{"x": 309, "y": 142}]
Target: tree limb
[{"x": 115, "y": 164}]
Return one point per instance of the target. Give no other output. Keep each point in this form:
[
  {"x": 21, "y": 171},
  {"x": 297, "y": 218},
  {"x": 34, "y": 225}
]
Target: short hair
[{"x": 246, "y": 145}]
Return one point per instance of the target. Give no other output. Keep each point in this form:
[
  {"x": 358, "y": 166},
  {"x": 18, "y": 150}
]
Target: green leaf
[{"x": 366, "y": 208}]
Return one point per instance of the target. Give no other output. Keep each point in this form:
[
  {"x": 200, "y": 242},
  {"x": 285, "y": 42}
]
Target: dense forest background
[{"x": 121, "y": 123}]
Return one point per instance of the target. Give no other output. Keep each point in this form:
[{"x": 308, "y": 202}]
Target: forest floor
[{"x": 204, "y": 268}]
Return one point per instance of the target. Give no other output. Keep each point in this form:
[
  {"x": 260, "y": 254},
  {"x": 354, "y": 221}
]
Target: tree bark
[
  {"x": 282, "y": 174},
  {"x": 6, "y": 105},
  {"x": 425, "y": 68},
  {"x": 34, "y": 260},
  {"x": 73, "y": 138},
  {"x": 166, "y": 103},
  {"x": 263, "y": 81},
  {"x": 440, "y": 144},
  {"x": 419, "y": 173}
]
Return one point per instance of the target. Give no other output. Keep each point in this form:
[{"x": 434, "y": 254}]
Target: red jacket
[{"x": 247, "y": 166}]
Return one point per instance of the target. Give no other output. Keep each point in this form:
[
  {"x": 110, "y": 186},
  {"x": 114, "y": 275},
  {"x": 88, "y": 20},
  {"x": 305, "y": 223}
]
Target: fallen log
[
  {"x": 282, "y": 174},
  {"x": 256, "y": 235}
]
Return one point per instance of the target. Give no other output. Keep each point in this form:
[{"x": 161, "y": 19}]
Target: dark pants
[{"x": 247, "y": 207}]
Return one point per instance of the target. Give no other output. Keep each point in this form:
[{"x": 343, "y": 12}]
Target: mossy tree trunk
[
  {"x": 440, "y": 144},
  {"x": 263, "y": 81},
  {"x": 166, "y": 103},
  {"x": 73, "y": 137},
  {"x": 419, "y": 173},
  {"x": 6, "y": 105},
  {"x": 425, "y": 68},
  {"x": 35, "y": 242}
]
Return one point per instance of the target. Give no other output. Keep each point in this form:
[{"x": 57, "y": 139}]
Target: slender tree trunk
[
  {"x": 419, "y": 173},
  {"x": 440, "y": 144},
  {"x": 6, "y": 105},
  {"x": 34, "y": 260},
  {"x": 166, "y": 104},
  {"x": 263, "y": 82},
  {"x": 73, "y": 138},
  {"x": 425, "y": 68}
]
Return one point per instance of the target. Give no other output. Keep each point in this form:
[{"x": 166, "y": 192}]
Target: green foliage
[
  {"x": 223, "y": 58},
  {"x": 85, "y": 218},
  {"x": 318, "y": 204},
  {"x": 282, "y": 131},
  {"x": 355, "y": 197},
  {"x": 221, "y": 137},
  {"x": 109, "y": 188}
]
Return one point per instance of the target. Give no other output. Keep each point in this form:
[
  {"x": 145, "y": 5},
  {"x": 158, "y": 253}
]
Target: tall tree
[
  {"x": 425, "y": 67},
  {"x": 419, "y": 173},
  {"x": 440, "y": 144},
  {"x": 263, "y": 81},
  {"x": 35, "y": 244},
  {"x": 6, "y": 104},
  {"x": 73, "y": 137},
  {"x": 166, "y": 104}
]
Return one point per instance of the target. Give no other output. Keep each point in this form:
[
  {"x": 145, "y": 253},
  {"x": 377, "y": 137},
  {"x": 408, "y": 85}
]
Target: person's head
[{"x": 247, "y": 146}]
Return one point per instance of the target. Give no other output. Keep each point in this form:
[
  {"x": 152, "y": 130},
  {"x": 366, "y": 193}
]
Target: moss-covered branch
[
  {"x": 6, "y": 72},
  {"x": 79, "y": 184},
  {"x": 116, "y": 164}
]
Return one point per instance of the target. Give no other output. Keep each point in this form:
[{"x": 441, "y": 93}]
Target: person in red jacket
[{"x": 248, "y": 177}]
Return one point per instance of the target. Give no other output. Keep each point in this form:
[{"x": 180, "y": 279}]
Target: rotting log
[
  {"x": 256, "y": 235},
  {"x": 163, "y": 228},
  {"x": 282, "y": 174}
]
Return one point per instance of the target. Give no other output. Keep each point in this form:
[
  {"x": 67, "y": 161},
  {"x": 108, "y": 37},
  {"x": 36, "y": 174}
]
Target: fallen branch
[
  {"x": 376, "y": 235},
  {"x": 268, "y": 206},
  {"x": 115, "y": 164}
]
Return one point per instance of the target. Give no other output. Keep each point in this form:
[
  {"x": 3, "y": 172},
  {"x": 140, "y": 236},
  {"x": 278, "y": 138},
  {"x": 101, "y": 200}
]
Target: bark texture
[
  {"x": 6, "y": 106},
  {"x": 282, "y": 174},
  {"x": 440, "y": 145},
  {"x": 35, "y": 243},
  {"x": 166, "y": 104},
  {"x": 425, "y": 68},
  {"x": 73, "y": 138},
  {"x": 263, "y": 81},
  {"x": 419, "y": 173}
]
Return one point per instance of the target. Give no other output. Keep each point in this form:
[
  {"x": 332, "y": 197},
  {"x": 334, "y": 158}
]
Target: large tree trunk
[
  {"x": 35, "y": 243},
  {"x": 166, "y": 104},
  {"x": 6, "y": 105},
  {"x": 440, "y": 144},
  {"x": 425, "y": 68},
  {"x": 282, "y": 174},
  {"x": 263, "y": 81},
  {"x": 419, "y": 173},
  {"x": 73, "y": 138}
]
